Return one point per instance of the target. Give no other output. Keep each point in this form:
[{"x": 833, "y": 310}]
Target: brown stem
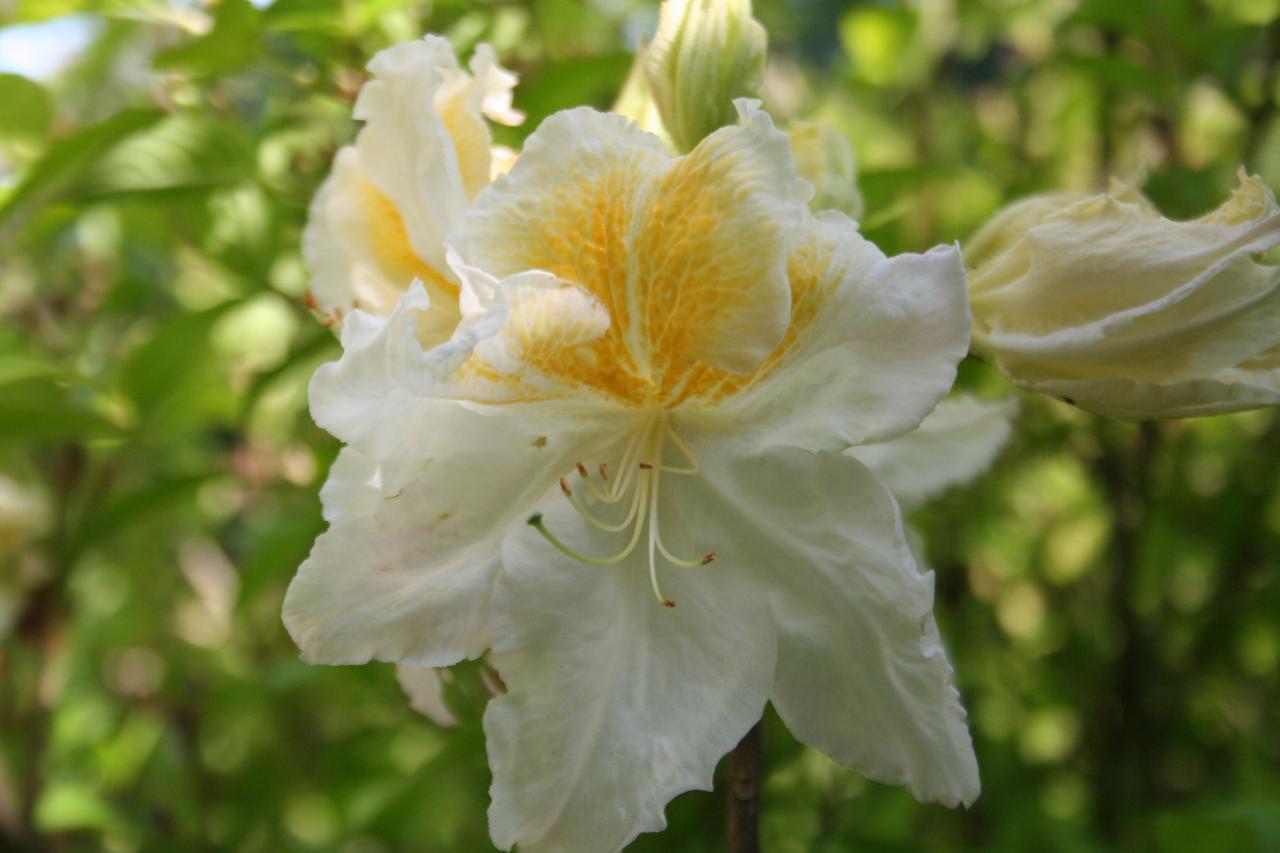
[
  {"x": 1126, "y": 737},
  {"x": 744, "y": 792}
]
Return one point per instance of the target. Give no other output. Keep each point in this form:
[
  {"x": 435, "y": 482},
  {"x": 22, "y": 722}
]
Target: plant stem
[
  {"x": 1128, "y": 724},
  {"x": 744, "y": 792}
]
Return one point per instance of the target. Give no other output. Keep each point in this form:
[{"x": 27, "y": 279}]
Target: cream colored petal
[
  {"x": 496, "y": 84},
  {"x": 662, "y": 243},
  {"x": 1232, "y": 390},
  {"x": 406, "y": 148},
  {"x": 873, "y": 346},
  {"x": 695, "y": 290},
  {"x": 343, "y": 275},
  {"x": 386, "y": 382},
  {"x": 544, "y": 319},
  {"x": 615, "y": 704},
  {"x": 862, "y": 675},
  {"x": 353, "y": 487},
  {"x": 1107, "y": 303},
  {"x": 409, "y": 579},
  {"x": 359, "y": 254},
  {"x": 953, "y": 445},
  {"x": 424, "y": 685}
]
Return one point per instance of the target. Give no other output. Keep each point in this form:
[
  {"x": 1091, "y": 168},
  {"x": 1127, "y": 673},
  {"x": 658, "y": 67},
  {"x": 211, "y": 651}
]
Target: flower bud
[
  {"x": 1105, "y": 303},
  {"x": 825, "y": 159},
  {"x": 705, "y": 54}
]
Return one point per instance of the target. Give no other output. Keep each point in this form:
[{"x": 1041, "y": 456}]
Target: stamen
[
  {"x": 535, "y": 521},
  {"x": 653, "y": 540},
  {"x": 693, "y": 467},
  {"x": 645, "y": 444},
  {"x": 602, "y": 525},
  {"x": 621, "y": 485}
]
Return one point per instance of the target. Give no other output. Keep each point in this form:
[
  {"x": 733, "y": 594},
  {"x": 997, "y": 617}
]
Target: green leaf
[
  {"x": 17, "y": 367},
  {"x": 234, "y": 42},
  {"x": 42, "y": 410},
  {"x": 70, "y": 156},
  {"x": 136, "y": 506},
  {"x": 184, "y": 151},
  {"x": 155, "y": 370},
  {"x": 28, "y": 112}
]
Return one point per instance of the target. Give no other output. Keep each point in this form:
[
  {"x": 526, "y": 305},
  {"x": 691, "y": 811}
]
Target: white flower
[
  {"x": 381, "y": 218},
  {"x": 1105, "y": 303},
  {"x": 659, "y": 364}
]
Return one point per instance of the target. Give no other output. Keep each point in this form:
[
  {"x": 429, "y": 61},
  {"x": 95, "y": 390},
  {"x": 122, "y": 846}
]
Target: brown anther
[
  {"x": 564, "y": 487},
  {"x": 710, "y": 558},
  {"x": 666, "y": 602},
  {"x": 310, "y": 299},
  {"x": 582, "y": 470},
  {"x": 604, "y": 471},
  {"x": 645, "y": 466}
]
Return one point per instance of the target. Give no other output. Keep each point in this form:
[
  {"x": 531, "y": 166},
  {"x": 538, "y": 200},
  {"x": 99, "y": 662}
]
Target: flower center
[{"x": 636, "y": 482}]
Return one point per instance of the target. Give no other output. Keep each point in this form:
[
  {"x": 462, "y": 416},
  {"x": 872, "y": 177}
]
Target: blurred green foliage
[{"x": 1109, "y": 592}]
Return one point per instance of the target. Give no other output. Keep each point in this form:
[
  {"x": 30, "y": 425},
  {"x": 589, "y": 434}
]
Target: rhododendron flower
[
  {"x": 381, "y": 218},
  {"x": 1107, "y": 304},
  {"x": 623, "y": 475}
]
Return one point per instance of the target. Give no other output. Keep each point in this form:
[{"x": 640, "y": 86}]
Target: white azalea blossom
[
  {"x": 659, "y": 365},
  {"x": 1104, "y": 302},
  {"x": 381, "y": 218}
]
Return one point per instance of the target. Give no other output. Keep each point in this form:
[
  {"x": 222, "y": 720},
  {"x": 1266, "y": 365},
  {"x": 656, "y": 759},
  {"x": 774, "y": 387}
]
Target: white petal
[
  {"x": 1104, "y": 302},
  {"x": 376, "y": 396},
  {"x": 405, "y": 147},
  {"x": 353, "y": 487},
  {"x": 861, "y": 674},
  {"x": 410, "y": 580},
  {"x": 687, "y": 255},
  {"x": 876, "y": 343},
  {"x": 496, "y": 83},
  {"x": 1232, "y": 390},
  {"x": 954, "y": 444},
  {"x": 344, "y": 268},
  {"x": 424, "y": 685},
  {"x": 615, "y": 703}
]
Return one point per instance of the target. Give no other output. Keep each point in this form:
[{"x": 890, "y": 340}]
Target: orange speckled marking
[{"x": 391, "y": 247}]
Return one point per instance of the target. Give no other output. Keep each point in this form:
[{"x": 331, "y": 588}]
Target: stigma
[{"x": 636, "y": 484}]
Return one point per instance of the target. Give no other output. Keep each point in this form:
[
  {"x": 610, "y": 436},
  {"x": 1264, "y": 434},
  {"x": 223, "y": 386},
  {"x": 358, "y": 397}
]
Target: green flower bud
[{"x": 705, "y": 54}]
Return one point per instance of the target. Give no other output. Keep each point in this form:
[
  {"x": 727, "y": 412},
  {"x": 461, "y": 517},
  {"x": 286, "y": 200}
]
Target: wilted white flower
[
  {"x": 659, "y": 363},
  {"x": 381, "y": 218},
  {"x": 1103, "y": 302}
]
